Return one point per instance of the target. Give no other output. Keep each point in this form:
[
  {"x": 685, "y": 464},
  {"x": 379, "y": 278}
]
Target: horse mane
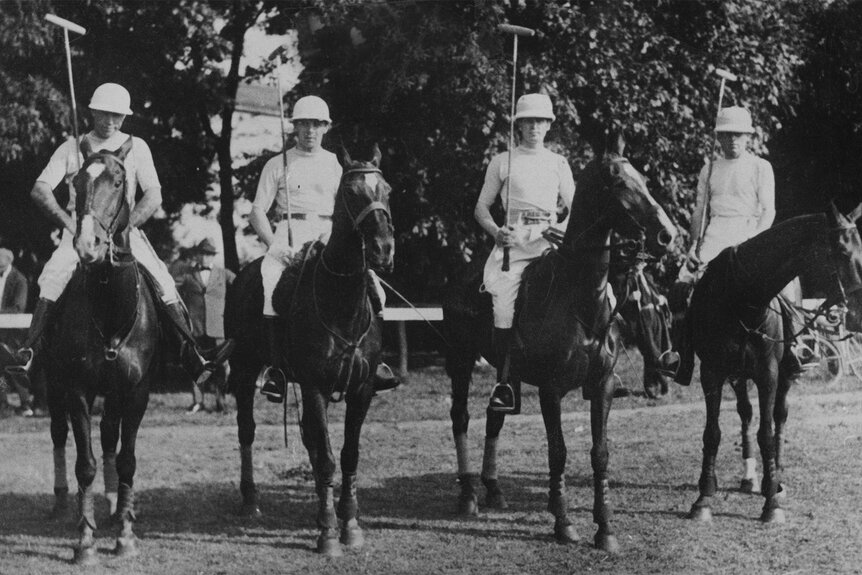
[{"x": 282, "y": 296}]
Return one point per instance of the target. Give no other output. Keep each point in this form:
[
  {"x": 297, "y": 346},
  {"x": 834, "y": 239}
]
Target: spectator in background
[
  {"x": 202, "y": 285},
  {"x": 13, "y": 299}
]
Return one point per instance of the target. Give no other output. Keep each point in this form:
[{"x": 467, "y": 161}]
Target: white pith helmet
[
  {"x": 310, "y": 108},
  {"x": 734, "y": 119},
  {"x": 534, "y": 106},
  {"x": 111, "y": 98}
]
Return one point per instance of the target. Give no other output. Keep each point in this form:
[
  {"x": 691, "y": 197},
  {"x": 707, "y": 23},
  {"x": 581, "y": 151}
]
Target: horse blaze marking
[
  {"x": 95, "y": 169},
  {"x": 371, "y": 180},
  {"x": 87, "y": 227}
]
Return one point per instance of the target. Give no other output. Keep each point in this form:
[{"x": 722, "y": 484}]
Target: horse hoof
[
  {"x": 468, "y": 506},
  {"x": 565, "y": 533},
  {"x": 85, "y": 556},
  {"x": 127, "y": 547},
  {"x": 773, "y": 516},
  {"x": 250, "y": 511},
  {"x": 496, "y": 500},
  {"x": 702, "y": 514},
  {"x": 329, "y": 546},
  {"x": 747, "y": 486},
  {"x": 352, "y": 536},
  {"x": 607, "y": 542}
]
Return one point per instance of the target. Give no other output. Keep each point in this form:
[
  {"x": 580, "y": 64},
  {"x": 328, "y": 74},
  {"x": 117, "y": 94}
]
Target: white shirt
[
  {"x": 139, "y": 164},
  {"x": 312, "y": 180},
  {"x": 538, "y": 178},
  {"x": 743, "y": 187}
]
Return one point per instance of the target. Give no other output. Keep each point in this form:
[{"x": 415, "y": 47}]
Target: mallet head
[
  {"x": 724, "y": 74},
  {"x": 516, "y": 30},
  {"x": 63, "y": 23}
]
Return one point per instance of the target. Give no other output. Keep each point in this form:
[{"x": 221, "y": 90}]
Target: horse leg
[
  {"x": 494, "y": 498},
  {"x": 746, "y": 414},
  {"x": 780, "y": 414},
  {"x": 766, "y": 389},
  {"x": 348, "y": 503},
  {"x": 134, "y": 406},
  {"x": 558, "y": 505},
  {"x": 85, "y": 472},
  {"x": 109, "y": 428},
  {"x": 246, "y": 426},
  {"x": 712, "y": 383},
  {"x": 315, "y": 436},
  {"x": 59, "y": 433},
  {"x": 468, "y": 479},
  {"x": 600, "y": 407}
]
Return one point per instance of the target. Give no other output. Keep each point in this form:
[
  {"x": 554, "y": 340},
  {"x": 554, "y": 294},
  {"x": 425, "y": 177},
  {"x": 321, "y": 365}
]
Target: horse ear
[
  {"x": 377, "y": 156},
  {"x": 344, "y": 156},
  {"x": 86, "y": 148},
  {"x": 616, "y": 140},
  {"x": 124, "y": 149},
  {"x": 856, "y": 213}
]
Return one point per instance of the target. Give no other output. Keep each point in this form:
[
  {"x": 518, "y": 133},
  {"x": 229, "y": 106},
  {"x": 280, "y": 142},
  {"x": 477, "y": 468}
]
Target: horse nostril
[{"x": 664, "y": 238}]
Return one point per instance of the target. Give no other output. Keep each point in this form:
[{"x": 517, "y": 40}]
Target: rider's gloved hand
[
  {"x": 692, "y": 262},
  {"x": 505, "y": 237}
]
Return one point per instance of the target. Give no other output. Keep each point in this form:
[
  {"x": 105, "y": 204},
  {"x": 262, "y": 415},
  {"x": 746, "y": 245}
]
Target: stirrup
[
  {"x": 504, "y": 404},
  {"x": 668, "y": 363},
  {"x": 385, "y": 379},
  {"x": 272, "y": 384},
  {"x": 22, "y": 369}
]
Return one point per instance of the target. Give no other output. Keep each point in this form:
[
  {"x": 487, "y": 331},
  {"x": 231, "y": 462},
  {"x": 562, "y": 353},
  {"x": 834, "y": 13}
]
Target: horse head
[
  {"x": 620, "y": 198},
  {"x": 847, "y": 256},
  {"x": 362, "y": 208},
  {"x": 100, "y": 203}
]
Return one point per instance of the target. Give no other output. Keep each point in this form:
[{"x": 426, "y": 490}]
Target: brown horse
[
  {"x": 565, "y": 333},
  {"x": 333, "y": 343},
  {"x": 104, "y": 340},
  {"x": 738, "y": 330}
]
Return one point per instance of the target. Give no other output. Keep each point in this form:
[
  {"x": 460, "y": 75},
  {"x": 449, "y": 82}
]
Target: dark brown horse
[
  {"x": 333, "y": 343},
  {"x": 738, "y": 331},
  {"x": 104, "y": 340},
  {"x": 565, "y": 333}
]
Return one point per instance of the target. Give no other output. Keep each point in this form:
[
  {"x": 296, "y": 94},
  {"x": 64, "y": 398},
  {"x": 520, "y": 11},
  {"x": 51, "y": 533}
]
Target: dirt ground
[{"x": 188, "y": 476}]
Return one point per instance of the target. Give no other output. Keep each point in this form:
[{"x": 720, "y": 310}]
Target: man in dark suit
[
  {"x": 203, "y": 285},
  {"x": 13, "y": 299}
]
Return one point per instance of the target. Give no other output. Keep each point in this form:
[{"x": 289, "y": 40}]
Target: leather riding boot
[
  {"x": 42, "y": 316},
  {"x": 503, "y": 395},
  {"x": 274, "y": 383},
  {"x": 198, "y": 366}
]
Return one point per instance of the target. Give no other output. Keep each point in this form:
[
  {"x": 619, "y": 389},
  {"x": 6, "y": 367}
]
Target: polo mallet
[
  {"x": 725, "y": 76},
  {"x": 515, "y": 31},
  {"x": 67, "y": 26},
  {"x": 276, "y": 55}
]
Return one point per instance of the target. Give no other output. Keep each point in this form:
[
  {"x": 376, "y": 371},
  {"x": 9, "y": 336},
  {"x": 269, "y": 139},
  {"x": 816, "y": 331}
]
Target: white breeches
[
  {"x": 59, "y": 269},
  {"x": 504, "y": 286},
  {"x": 722, "y": 232},
  {"x": 279, "y": 254}
]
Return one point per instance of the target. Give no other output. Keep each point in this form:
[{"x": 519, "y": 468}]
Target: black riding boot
[
  {"x": 199, "y": 366},
  {"x": 503, "y": 394},
  {"x": 42, "y": 316},
  {"x": 384, "y": 378},
  {"x": 273, "y": 384}
]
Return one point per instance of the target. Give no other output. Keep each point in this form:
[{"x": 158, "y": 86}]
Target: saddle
[{"x": 283, "y": 296}]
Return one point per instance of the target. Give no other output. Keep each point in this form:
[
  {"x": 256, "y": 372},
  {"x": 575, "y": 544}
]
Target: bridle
[
  {"x": 112, "y": 226},
  {"x": 356, "y": 220},
  {"x": 371, "y": 207}
]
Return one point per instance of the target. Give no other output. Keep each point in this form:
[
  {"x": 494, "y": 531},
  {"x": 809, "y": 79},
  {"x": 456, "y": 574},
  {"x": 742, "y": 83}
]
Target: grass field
[{"x": 188, "y": 475}]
